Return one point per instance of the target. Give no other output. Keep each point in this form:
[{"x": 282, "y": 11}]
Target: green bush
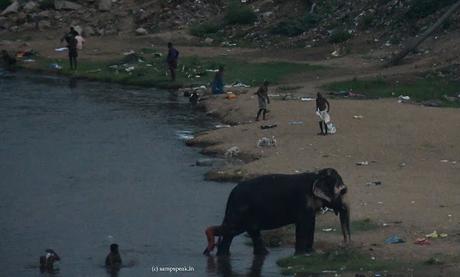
[
  {"x": 295, "y": 27},
  {"x": 46, "y": 4},
  {"x": 239, "y": 14},
  {"x": 339, "y": 35},
  {"x": 4, "y": 4},
  {"x": 424, "y": 8},
  {"x": 310, "y": 20},
  {"x": 203, "y": 29},
  {"x": 290, "y": 28}
]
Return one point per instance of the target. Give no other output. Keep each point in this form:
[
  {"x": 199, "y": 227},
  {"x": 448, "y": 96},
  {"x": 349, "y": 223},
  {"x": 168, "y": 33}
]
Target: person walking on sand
[
  {"x": 171, "y": 60},
  {"x": 72, "y": 47},
  {"x": 218, "y": 82},
  {"x": 322, "y": 110},
  {"x": 262, "y": 96}
]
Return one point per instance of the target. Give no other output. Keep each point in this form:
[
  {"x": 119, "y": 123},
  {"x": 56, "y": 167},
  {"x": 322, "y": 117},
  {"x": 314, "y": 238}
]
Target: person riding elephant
[{"x": 275, "y": 200}]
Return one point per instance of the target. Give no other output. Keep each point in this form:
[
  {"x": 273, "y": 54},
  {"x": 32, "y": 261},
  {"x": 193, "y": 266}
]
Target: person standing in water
[
  {"x": 72, "y": 47},
  {"x": 113, "y": 259},
  {"x": 218, "y": 82},
  {"x": 171, "y": 60}
]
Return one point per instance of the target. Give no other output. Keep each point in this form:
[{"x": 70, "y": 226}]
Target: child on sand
[
  {"x": 262, "y": 95},
  {"x": 322, "y": 110}
]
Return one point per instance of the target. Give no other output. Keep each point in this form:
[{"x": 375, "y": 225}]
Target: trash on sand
[
  {"x": 374, "y": 183},
  {"x": 306, "y": 99},
  {"x": 444, "y": 161},
  {"x": 328, "y": 230},
  {"x": 326, "y": 210},
  {"x": 230, "y": 96},
  {"x": 29, "y": 60},
  {"x": 268, "y": 126},
  {"x": 403, "y": 98},
  {"x": 335, "y": 53},
  {"x": 129, "y": 69},
  {"x": 266, "y": 142},
  {"x": 435, "y": 235},
  {"x": 363, "y": 163},
  {"x": 212, "y": 70},
  {"x": 130, "y": 52},
  {"x": 55, "y": 66},
  {"x": 422, "y": 241},
  {"x": 232, "y": 152},
  {"x": 62, "y": 49},
  {"x": 240, "y": 85},
  {"x": 358, "y": 117},
  {"x": 294, "y": 122},
  {"x": 394, "y": 239},
  {"x": 219, "y": 126}
]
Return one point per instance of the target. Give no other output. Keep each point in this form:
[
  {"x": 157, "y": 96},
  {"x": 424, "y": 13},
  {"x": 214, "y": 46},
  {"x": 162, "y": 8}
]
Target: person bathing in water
[
  {"x": 113, "y": 259},
  {"x": 322, "y": 110},
  {"x": 47, "y": 261},
  {"x": 262, "y": 96}
]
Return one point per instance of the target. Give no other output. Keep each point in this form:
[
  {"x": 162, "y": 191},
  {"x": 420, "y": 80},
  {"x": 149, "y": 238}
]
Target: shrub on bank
[
  {"x": 4, "y": 4},
  {"x": 204, "y": 29},
  {"x": 339, "y": 35},
  {"x": 46, "y": 4},
  {"x": 239, "y": 14},
  {"x": 424, "y": 8}
]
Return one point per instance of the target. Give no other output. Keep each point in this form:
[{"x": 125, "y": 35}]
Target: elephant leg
[
  {"x": 223, "y": 249},
  {"x": 259, "y": 246},
  {"x": 305, "y": 232}
]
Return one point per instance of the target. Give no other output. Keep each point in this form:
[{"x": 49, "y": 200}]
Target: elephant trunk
[{"x": 344, "y": 215}]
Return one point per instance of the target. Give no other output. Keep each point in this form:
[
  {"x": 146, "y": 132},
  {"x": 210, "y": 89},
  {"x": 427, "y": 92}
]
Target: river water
[{"x": 87, "y": 164}]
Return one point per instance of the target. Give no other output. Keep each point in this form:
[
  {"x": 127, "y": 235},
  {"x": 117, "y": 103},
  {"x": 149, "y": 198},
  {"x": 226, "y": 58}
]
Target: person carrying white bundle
[{"x": 322, "y": 110}]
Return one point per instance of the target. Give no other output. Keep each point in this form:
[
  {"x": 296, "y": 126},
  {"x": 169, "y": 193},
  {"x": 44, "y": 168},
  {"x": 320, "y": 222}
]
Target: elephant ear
[{"x": 328, "y": 185}]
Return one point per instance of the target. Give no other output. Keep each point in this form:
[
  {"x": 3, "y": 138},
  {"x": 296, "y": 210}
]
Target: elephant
[{"x": 275, "y": 200}]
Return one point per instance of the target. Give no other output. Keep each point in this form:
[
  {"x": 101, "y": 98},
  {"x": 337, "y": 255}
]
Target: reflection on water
[
  {"x": 85, "y": 164},
  {"x": 222, "y": 266}
]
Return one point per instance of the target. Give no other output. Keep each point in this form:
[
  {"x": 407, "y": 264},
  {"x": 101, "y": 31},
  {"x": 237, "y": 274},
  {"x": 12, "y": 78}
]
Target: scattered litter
[
  {"x": 306, "y": 99},
  {"x": 212, "y": 70},
  {"x": 205, "y": 162},
  {"x": 435, "y": 235},
  {"x": 220, "y": 126},
  {"x": 232, "y": 152},
  {"x": 328, "y": 230},
  {"x": 403, "y": 164},
  {"x": 363, "y": 163},
  {"x": 326, "y": 210},
  {"x": 29, "y": 60},
  {"x": 404, "y": 97},
  {"x": 335, "y": 53},
  {"x": 293, "y": 122},
  {"x": 444, "y": 161},
  {"x": 358, "y": 117},
  {"x": 266, "y": 142},
  {"x": 274, "y": 95},
  {"x": 129, "y": 69},
  {"x": 240, "y": 85},
  {"x": 422, "y": 241},
  {"x": 394, "y": 239},
  {"x": 55, "y": 66},
  {"x": 268, "y": 126},
  {"x": 158, "y": 55},
  {"x": 62, "y": 49},
  {"x": 374, "y": 183},
  {"x": 130, "y": 52},
  {"x": 230, "y": 95}
]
